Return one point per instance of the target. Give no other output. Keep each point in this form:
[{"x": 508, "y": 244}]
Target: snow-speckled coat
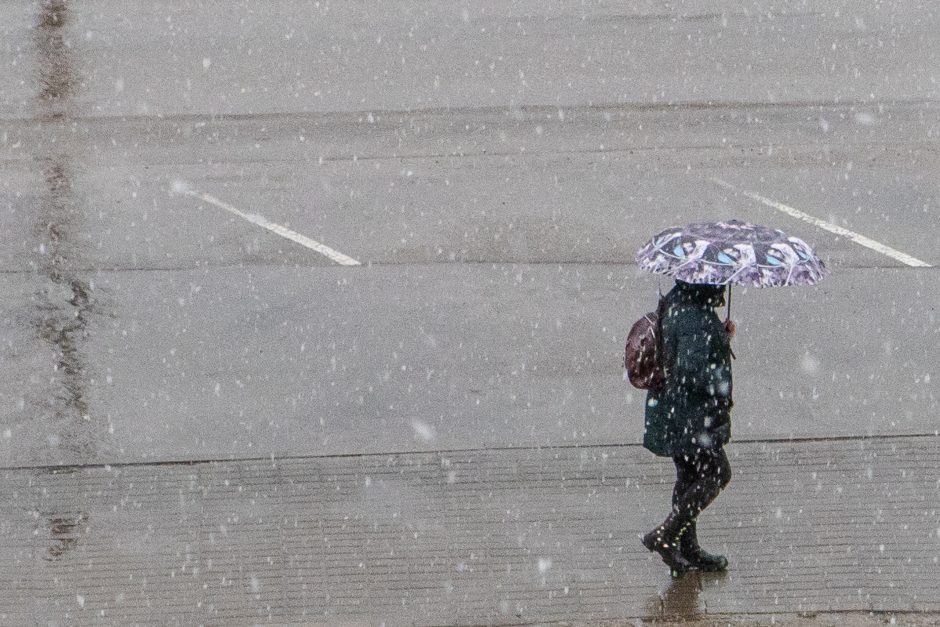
[{"x": 692, "y": 410}]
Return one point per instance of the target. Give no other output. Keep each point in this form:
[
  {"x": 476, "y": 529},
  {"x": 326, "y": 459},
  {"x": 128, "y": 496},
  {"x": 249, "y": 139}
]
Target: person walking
[
  {"x": 688, "y": 410},
  {"x": 688, "y": 418}
]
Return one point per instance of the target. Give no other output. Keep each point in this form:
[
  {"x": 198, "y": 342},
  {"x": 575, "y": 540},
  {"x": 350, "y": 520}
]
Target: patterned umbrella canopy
[{"x": 732, "y": 253}]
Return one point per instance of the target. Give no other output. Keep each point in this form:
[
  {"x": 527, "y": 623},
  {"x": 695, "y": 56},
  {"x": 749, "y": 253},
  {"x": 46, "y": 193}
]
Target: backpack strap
[{"x": 661, "y": 307}]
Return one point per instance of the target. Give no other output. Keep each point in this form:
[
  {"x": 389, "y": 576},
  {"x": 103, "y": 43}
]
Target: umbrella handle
[
  {"x": 728, "y": 316},
  {"x": 728, "y": 319}
]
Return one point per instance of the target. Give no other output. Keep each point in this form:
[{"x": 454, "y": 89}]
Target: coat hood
[{"x": 701, "y": 293}]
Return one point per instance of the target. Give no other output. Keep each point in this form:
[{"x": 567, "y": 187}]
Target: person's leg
[
  {"x": 714, "y": 471},
  {"x": 665, "y": 539},
  {"x": 699, "y": 479},
  {"x": 686, "y": 475}
]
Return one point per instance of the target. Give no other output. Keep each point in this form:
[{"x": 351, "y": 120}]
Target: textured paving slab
[{"x": 501, "y": 536}]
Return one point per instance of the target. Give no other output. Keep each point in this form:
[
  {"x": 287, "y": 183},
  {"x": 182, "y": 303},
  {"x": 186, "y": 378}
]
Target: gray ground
[{"x": 493, "y": 166}]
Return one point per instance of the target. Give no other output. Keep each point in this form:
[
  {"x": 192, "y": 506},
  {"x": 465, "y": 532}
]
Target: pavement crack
[{"x": 434, "y": 454}]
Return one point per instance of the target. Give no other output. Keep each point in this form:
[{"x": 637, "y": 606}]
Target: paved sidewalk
[{"x": 504, "y": 537}]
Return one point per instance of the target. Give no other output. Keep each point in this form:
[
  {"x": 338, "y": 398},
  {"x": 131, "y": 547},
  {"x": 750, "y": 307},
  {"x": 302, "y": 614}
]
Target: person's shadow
[{"x": 680, "y": 598}]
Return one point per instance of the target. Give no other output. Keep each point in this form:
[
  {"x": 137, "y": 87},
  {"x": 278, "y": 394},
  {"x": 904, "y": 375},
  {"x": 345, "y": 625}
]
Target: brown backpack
[{"x": 643, "y": 353}]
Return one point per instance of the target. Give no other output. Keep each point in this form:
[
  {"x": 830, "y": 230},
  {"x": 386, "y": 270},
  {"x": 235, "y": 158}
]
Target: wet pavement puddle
[{"x": 680, "y": 599}]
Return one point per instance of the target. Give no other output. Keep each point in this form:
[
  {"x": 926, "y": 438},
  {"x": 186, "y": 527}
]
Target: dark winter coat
[{"x": 692, "y": 410}]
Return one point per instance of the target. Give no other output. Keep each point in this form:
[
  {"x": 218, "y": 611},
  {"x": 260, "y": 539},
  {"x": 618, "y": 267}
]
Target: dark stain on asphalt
[
  {"x": 65, "y": 305},
  {"x": 65, "y": 530},
  {"x": 65, "y": 300},
  {"x": 53, "y": 229},
  {"x": 56, "y": 79}
]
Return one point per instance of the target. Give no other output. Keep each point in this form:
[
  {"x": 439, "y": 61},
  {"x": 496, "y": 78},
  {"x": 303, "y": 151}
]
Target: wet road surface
[{"x": 175, "y": 181}]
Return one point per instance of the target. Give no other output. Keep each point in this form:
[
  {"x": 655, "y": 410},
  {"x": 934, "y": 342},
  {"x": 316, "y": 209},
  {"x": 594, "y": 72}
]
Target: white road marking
[
  {"x": 283, "y": 231},
  {"x": 828, "y": 226}
]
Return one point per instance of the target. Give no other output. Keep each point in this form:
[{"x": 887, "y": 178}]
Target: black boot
[
  {"x": 666, "y": 540},
  {"x": 699, "y": 557}
]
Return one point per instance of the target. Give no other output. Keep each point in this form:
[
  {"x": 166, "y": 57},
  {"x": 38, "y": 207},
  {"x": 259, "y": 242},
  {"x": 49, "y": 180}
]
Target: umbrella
[{"x": 732, "y": 253}]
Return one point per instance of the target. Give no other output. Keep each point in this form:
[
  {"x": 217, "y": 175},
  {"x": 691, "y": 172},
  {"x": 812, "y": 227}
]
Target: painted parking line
[
  {"x": 828, "y": 226},
  {"x": 283, "y": 231}
]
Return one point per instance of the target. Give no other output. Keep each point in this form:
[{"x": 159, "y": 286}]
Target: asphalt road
[
  {"x": 178, "y": 181},
  {"x": 493, "y": 168}
]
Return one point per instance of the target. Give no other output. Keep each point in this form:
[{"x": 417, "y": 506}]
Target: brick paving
[{"x": 472, "y": 537}]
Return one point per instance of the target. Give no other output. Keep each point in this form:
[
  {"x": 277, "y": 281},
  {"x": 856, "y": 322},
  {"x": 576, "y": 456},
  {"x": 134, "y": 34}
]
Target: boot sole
[
  {"x": 675, "y": 569},
  {"x": 712, "y": 567}
]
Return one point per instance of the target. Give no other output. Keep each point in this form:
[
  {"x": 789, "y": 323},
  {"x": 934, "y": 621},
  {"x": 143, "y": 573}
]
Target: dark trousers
[{"x": 699, "y": 479}]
